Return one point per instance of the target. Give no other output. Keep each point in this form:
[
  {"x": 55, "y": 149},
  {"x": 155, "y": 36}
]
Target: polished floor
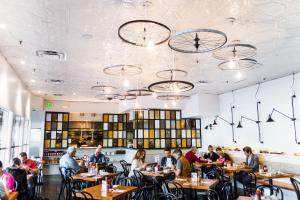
[{"x": 50, "y": 188}]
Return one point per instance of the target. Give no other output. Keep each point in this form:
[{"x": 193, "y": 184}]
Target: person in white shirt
[{"x": 138, "y": 162}]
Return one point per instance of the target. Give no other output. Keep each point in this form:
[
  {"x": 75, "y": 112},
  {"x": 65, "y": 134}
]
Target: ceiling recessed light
[
  {"x": 87, "y": 36},
  {"x": 39, "y": 92},
  {"x": 239, "y": 75},
  {"x": 55, "y": 81},
  {"x": 74, "y": 93},
  {"x": 32, "y": 81},
  {"x": 22, "y": 62},
  {"x": 2, "y": 26}
]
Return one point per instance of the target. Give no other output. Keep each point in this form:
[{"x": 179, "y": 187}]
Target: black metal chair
[
  {"x": 126, "y": 167},
  {"x": 176, "y": 189},
  {"x": 226, "y": 191},
  {"x": 144, "y": 193},
  {"x": 82, "y": 195},
  {"x": 126, "y": 181},
  {"x": 139, "y": 178},
  {"x": 296, "y": 185},
  {"x": 65, "y": 174},
  {"x": 212, "y": 195},
  {"x": 276, "y": 191},
  {"x": 166, "y": 196},
  {"x": 250, "y": 188}
]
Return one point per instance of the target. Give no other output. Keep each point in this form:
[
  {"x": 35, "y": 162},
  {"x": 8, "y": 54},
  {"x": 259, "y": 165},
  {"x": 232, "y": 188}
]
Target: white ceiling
[{"x": 65, "y": 25}]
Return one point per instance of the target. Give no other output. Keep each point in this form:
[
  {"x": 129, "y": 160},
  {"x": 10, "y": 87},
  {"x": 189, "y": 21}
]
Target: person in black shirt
[
  {"x": 211, "y": 155},
  {"x": 98, "y": 157},
  {"x": 168, "y": 160}
]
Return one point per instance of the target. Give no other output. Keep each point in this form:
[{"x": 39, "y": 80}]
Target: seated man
[
  {"x": 183, "y": 167},
  {"x": 68, "y": 161},
  {"x": 192, "y": 158},
  {"x": 252, "y": 161},
  {"x": 168, "y": 160},
  {"x": 211, "y": 155},
  {"x": 224, "y": 155},
  {"x": 98, "y": 157},
  {"x": 27, "y": 164}
]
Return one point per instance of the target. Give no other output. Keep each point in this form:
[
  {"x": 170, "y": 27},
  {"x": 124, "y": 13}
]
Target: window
[
  {"x": 16, "y": 138},
  {"x": 5, "y": 129}
]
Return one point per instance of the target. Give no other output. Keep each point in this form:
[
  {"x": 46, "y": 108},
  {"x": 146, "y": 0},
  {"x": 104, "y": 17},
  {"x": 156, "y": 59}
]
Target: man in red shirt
[
  {"x": 192, "y": 158},
  {"x": 29, "y": 165}
]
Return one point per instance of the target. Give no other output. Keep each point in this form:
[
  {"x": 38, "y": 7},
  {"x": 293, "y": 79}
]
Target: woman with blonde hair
[{"x": 138, "y": 162}]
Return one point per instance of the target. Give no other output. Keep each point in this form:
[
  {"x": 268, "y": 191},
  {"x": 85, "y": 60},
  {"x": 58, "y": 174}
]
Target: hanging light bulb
[
  {"x": 239, "y": 75},
  {"x": 174, "y": 103},
  {"x": 126, "y": 83},
  {"x": 232, "y": 64},
  {"x": 154, "y": 94},
  {"x": 166, "y": 105},
  {"x": 150, "y": 45}
]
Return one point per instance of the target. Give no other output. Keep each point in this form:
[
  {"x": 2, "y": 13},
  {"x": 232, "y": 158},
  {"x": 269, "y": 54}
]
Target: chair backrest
[
  {"x": 77, "y": 185},
  {"x": 127, "y": 181},
  {"x": 144, "y": 193},
  {"x": 226, "y": 191},
  {"x": 296, "y": 185},
  {"x": 271, "y": 189},
  {"x": 166, "y": 196},
  {"x": 175, "y": 188},
  {"x": 126, "y": 167},
  {"x": 139, "y": 178},
  {"x": 123, "y": 162},
  {"x": 161, "y": 184},
  {"x": 82, "y": 195},
  {"x": 212, "y": 195}
]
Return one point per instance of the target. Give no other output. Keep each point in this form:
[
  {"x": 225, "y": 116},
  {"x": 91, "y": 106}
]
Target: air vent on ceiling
[
  {"x": 58, "y": 95},
  {"x": 51, "y": 55},
  {"x": 203, "y": 82},
  {"x": 55, "y": 81}
]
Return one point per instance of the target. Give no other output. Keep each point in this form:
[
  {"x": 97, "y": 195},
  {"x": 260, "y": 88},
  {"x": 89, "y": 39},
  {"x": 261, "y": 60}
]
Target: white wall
[
  {"x": 278, "y": 136},
  {"x": 13, "y": 94}
]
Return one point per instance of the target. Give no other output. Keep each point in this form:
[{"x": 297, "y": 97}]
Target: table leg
[
  {"x": 271, "y": 184},
  {"x": 234, "y": 185}
]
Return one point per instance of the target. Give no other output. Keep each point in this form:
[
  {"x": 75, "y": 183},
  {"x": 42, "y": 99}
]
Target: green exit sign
[{"x": 49, "y": 104}]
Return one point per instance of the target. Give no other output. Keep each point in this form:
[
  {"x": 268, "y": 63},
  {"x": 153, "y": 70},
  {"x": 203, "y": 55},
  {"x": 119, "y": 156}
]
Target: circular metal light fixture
[
  {"x": 197, "y": 40},
  {"x": 246, "y": 63},
  {"x": 235, "y": 52},
  {"x": 171, "y": 86},
  {"x": 122, "y": 70},
  {"x": 104, "y": 89},
  {"x": 165, "y": 74},
  {"x": 106, "y": 97},
  {"x": 144, "y": 32},
  {"x": 139, "y": 92},
  {"x": 172, "y": 97},
  {"x": 126, "y": 97}
]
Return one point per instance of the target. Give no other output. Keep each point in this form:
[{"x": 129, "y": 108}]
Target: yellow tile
[
  {"x": 157, "y": 143},
  {"x": 168, "y": 114},
  {"x": 151, "y": 133},
  {"x": 189, "y": 133},
  {"x": 48, "y": 126},
  {"x": 47, "y": 144},
  {"x": 120, "y": 126},
  {"x": 198, "y": 143},
  {"x": 157, "y": 114},
  {"x": 146, "y": 143},
  {"x": 173, "y": 143},
  {"x": 183, "y": 143},
  {"x": 66, "y": 117},
  {"x": 146, "y": 133},
  {"x": 120, "y": 142},
  {"x": 177, "y": 124},
  {"x": 105, "y": 118},
  {"x": 65, "y": 134},
  {"x": 162, "y": 133},
  {"x": 183, "y": 124},
  {"x": 110, "y": 134},
  {"x": 193, "y": 133}
]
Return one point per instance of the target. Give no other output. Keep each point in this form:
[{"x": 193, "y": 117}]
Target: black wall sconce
[
  {"x": 228, "y": 122},
  {"x": 293, "y": 118},
  {"x": 208, "y": 127},
  {"x": 256, "y": 121}
]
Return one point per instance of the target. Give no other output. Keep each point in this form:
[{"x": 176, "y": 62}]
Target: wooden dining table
[
  {"x": 244, "y": 198},
  {"x": 13, "y": 195},
  {"x": 201, "y": 184},
  {"x": 95, "y": 178},
  {"x": 156, "y": 173},
  {"x": 117, "y": 192},
  {"x": 208, "y": 164},
  {"x": 271, "y": 176},
  {"x": 234, "y": 171}
]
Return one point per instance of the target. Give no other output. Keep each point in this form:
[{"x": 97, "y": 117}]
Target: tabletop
[
  {"x": 236, "y": 169},
  {"x": 155, "y": 174},
  {"x": 204, "y": 184},
  {"x": 244, "y": 198},
  {"x": 272, "y": 175},
  {"x": 13, "y": 195},
  {"x": 117, "y": 192},
  {"x": 208, "y": 164},
  {"x": 96, "y": 178}
]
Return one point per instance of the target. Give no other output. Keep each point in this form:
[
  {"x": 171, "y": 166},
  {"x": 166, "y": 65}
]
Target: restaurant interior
[{"x": 149, "y": 99}]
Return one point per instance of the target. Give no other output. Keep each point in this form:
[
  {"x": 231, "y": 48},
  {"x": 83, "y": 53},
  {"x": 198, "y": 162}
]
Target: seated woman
[
  {"x": 183, "y": 167},
  {"x": 225, "y": 155},
  {"x": 138, "y": 162},
  {"x": 6, "y": 178},
  {"x": 20, "y": 176}
]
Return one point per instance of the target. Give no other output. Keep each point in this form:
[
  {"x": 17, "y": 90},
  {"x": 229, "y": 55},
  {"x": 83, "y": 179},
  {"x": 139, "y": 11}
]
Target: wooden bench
[{"x": 286, "y": 186}]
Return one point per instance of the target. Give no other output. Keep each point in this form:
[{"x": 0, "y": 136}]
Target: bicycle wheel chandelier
[
  {"x": 235, "y": 52},
  {"x": 172, "y": 97},
  {"x": 144, "y": 33},
  {"x": 122, "y": 70},
  {"x": 104, "y": 89},
  {"x": 197, "y": 40},
  {"x": 171, "y": 86},
  {"x": 165, "y": 74},
  {"x": 246, "y": 63},
  {"x": 139, "y": 92}
]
